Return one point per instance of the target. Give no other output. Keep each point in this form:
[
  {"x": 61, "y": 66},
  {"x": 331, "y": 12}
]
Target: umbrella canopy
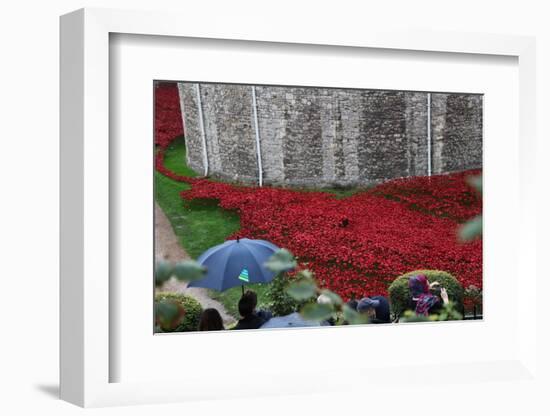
[
  {"x": 294, "y": 320},
  {"x": 236, "y": 263}
]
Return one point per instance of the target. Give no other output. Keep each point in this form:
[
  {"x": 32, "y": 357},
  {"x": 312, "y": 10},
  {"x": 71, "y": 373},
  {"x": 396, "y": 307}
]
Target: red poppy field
[{"x": 356, "y": 245}]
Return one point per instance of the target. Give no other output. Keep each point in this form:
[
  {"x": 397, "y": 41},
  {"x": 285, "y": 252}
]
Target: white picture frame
[{"x": 86, "y": 355}]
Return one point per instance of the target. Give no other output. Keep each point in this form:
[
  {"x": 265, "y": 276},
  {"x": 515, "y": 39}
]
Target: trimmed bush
[
  {"x": 192, "y": 308},
  {"x": 279, "y": 303},
  {"x": 399, "y": 293}
]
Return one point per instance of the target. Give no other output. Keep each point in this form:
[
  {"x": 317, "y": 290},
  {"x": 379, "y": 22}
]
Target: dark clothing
[
  {"x": 329, "y": 322},
  {"x": 264, "y": 314},
  {"x": 253, "y": 321},
  {"x": 382, "y": 311},
  {"x": 250, "y": 322}
]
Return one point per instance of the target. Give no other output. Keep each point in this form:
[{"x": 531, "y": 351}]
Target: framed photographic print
[
  {"x": 368, "y": 188},
  {"x": 302, "y": 210}
]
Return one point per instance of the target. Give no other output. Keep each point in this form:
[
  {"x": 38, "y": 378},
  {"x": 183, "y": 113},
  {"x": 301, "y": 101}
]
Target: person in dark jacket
[
  {"x": 383, "y": 309},
  {"x": 376, "y": 308},
  {"x": 251, "y": 319}
]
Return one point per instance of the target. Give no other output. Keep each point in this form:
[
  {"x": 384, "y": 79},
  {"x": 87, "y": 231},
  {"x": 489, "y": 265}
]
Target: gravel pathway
[{"x": 168, "y": 248}]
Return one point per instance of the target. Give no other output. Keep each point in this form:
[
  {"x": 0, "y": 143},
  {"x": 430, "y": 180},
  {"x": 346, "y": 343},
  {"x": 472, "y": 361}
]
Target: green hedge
[
  {"x": 399, "y": 293},
  {"x": 192, "y": 307},
  {"x": 279, "y": 303}
]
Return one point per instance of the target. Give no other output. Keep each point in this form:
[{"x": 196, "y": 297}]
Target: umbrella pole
[{"x": 242, "y": 287}]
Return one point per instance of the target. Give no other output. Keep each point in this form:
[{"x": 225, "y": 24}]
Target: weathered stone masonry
[{"x": 328, "y": 136}]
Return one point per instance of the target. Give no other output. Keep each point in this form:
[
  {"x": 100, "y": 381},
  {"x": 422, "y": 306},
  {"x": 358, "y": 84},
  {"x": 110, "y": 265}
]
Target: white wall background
[{"x": 29, "y": 174}]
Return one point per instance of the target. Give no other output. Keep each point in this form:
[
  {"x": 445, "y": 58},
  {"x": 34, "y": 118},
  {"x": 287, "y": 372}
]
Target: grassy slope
[{"x": 198, "y": 225}]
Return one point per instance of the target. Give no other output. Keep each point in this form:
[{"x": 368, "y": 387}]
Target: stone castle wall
[{"x": 327, "y": 136}]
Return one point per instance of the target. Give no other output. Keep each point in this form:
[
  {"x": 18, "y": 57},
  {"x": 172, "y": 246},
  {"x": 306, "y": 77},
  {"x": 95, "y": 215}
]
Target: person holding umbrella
[
  {"x": 251, "y": 319},
  {"x": 236, "y": 263}
]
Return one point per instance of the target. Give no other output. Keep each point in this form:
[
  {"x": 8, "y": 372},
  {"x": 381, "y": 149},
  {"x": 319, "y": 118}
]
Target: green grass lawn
[{"x": 198, "y": 225}]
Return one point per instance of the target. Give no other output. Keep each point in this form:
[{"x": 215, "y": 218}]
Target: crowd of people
[{"x": 426, "y": 299}]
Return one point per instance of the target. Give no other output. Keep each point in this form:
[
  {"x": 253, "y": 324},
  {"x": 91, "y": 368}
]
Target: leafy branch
[
  {"x": 185, "y": 271},
  {"x": 474, "y": 227},
  {"x": 303, "y": 287},
  {"x": 447, "y": 313}
]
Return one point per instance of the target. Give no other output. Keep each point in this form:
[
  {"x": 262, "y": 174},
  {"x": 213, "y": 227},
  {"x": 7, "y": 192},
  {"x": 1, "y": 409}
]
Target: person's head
[
  {"x": 211, "y": 320},
  {"x": 368, "y": 306},
  {"x": 247, "y": 303},
  {"x": 418, "y": 285}
]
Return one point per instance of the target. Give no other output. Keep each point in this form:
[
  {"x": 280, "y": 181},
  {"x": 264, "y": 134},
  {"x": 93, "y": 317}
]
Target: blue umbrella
[
  {"x": 293, "y": 320},
  {"x": 236, "y": 263}
]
